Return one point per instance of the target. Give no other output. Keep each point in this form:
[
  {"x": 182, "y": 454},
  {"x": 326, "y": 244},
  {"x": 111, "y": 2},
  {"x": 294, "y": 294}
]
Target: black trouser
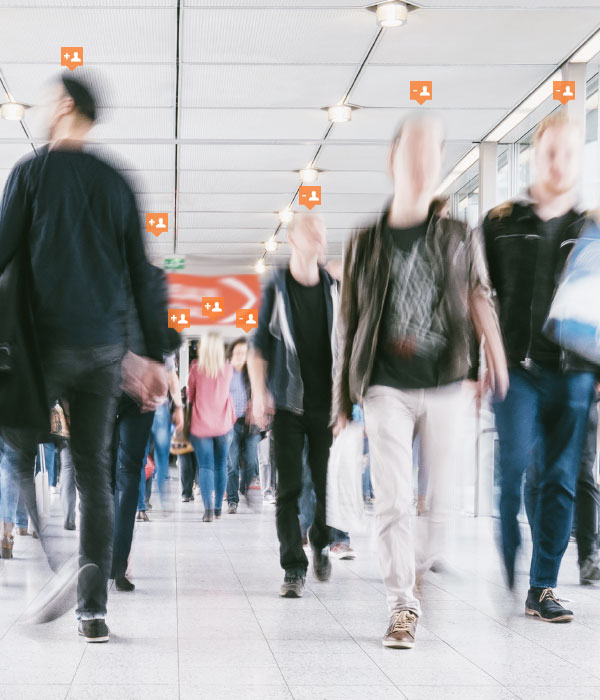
[
  {"x": 188, "y": 469},
  {"x": 289, "y": 430},
  {"x": 91, "y": 388},
  {"x": 132, "y": 432},
  {"x": 587, "y": 497}
]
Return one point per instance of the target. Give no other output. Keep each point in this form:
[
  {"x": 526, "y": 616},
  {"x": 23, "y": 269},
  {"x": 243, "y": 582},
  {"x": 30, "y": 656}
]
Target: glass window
[
  {"x": 591, "y": 110},
  {"x": 467, "y": 198},
  {"x": 502, "y": 174},
  {"x": 524, "y": 170}
]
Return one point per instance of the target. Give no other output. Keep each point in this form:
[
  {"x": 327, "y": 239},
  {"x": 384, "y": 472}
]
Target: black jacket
[{"x": 511, "y": 237}]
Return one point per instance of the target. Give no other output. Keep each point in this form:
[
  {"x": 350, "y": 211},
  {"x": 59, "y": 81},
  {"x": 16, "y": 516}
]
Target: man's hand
[
  {"x": 263, "y": 408},
  {"x": 341, "y": 423},
  {"x": 178, "y": 419},
  {"x": 144, "y": 380}
]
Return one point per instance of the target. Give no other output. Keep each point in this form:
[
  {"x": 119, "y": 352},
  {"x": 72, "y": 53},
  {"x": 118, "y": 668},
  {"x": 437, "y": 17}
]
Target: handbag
[
  {"x": 574, "y": 318},
  {"x": 180, "y": 442},
  {"x": 58, "y": 421},
  {"x": 23, "y": 400}
]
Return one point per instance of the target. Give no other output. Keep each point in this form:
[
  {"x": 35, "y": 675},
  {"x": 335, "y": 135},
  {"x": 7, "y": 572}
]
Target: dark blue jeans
[
  {"x": 541, "y": 421},
  {"x": 211, "y": 454},
  {"x": 243, "y": 445},
  {"x": 132, "y": 432}
]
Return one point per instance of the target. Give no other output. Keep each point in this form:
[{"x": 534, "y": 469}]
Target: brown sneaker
[{"x": 401, "y": 632}]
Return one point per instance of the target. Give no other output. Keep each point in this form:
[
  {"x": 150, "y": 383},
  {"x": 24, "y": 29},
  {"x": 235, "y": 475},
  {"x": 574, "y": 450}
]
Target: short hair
[
  {"x": 414, "y": 117},
  {"x": 557, "y": 119},
  {"x": 436, "y": 206},
  {"x": 238, "y": 341},
  {"x": 82, "y": 95}
]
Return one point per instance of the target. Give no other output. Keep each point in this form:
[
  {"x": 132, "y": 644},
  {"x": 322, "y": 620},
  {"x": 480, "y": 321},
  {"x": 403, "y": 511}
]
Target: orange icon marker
[
  {"x": 246, "y": 319},
  {"x": 71, "y": 56},
  {"x": 213, "y": 306},
  {"x": 179, "y": 319},
  {"x": 421, "y": 90},
  {"x": 309, "y": 195},
  {"x": 563, "y": 90},
  {"x": 157, "y": 223}
]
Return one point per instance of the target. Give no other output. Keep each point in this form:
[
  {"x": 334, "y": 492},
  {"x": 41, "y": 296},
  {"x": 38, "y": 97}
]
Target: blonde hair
[
  {"x": 557, "y": 119},
  {"x": 211, "y": 355}
]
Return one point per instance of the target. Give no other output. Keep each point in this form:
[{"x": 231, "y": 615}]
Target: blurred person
[
  {"x": 13, "y": 513},
  {"x": 545, "y": 412},
  {"x": 265, "y": 467},
  {"x": 414, "y": 286},
  {"x": 213, "y": 418},
  {"x": 81, "y": 223},
  {"x": 440, "y": 206},
  {"x": 243, "y": 452},
  {"x": 290, "y": 367},
  {"x": 133, "y": 430}
]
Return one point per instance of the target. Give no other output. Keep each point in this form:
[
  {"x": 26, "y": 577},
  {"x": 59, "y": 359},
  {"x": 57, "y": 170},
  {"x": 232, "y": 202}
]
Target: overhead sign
[
  {"x": 174, "y": 262},
  {"x": 233, "y": 292}
]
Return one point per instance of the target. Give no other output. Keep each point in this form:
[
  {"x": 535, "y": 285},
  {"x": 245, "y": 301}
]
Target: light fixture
[
  {"x": 539, "y": 95},
  {"x": 309, "y": 175},
  {"x": 271, "y": 245},
  {"x": 463, "y": 164},
  {"x": 587, "y": 51},
  {"x": 337, "y": 114},
  {"x": 286, "y": 215},
  {"x": 391, "y": 14},
  {"x": 260, "y": 266},
  {"x": 12, "y": 111}
]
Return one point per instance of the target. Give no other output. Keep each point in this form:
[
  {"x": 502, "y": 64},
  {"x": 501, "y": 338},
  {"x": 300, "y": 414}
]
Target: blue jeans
[
  {"x": 542, "y": 422},
  {"x": 211, "y": 454},
  {"x": 12, "y": 507},
  {"x": 132, "y": 432},
  {"x": 243, "y": 446},
  {"x": 161, "y": 433}
]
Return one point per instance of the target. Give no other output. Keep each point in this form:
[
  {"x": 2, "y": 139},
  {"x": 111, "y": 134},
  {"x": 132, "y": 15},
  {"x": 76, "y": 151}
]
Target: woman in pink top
[{"x": 213, "y": 416}]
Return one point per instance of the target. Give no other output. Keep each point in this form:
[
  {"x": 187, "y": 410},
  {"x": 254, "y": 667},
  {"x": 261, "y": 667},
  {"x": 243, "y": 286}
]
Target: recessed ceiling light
[
  {"x": 271, "y": 244},
  {"x": 391, "y": 14},
  {"x": 260, "y": 266},
  {"x": 285, "y": 216},
  {"x": 337, "y": 114},
  {"x": 12, "y": 111},
  {"x": 309, "y": 175}
]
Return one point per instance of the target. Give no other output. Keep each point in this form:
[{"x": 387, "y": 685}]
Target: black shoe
[
  {"x": 321, "y": 564},
  {"x": 94, "y": 630},
  {"x": 589, "y": 570},
  {"x": 543, "y": 603},
  {"x": 292, "y": 586},
  {"x": 185, "y": 499},
  {"x": 232, "y": 508},
  {"x": 217, "y": 513},
  {"x": 124, "y": 584}
]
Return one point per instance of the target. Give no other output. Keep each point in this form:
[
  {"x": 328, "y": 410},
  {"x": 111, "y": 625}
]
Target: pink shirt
[{"x": 213, "y": 413}]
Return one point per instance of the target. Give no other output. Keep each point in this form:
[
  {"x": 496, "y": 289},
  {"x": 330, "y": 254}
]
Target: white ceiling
[{"x": 228, "y": 119}]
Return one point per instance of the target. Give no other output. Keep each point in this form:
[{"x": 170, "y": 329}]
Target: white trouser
[{"x": 393, "y": 417}]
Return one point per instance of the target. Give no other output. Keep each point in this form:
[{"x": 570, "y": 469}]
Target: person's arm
[
  {"x": 191, "y": 386},
  {"x": 484, "y": 317},
  {"x": 259, "y": 354},
  {"x": 15, "y": 215},
  {"x": 175, "y": 391}
]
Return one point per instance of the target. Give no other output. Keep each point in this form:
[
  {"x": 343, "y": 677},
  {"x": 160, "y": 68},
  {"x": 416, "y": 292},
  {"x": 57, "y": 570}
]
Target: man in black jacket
[
  {"x": 545, "y": 413},
  {"x": 80, "y": 221}
]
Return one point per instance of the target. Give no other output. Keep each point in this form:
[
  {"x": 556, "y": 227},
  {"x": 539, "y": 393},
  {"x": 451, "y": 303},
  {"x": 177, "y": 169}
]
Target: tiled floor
[{"x": 206, "y": 621}]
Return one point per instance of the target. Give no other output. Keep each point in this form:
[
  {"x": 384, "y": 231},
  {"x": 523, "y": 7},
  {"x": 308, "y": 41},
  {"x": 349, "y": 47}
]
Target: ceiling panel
[
  {"x": 142, "y": 4},
  {"x": 357, "y": 157},
  {"x": 264, "y": 86},
  {"x": 158, "y": 202},
  {"x": 355, "y": 182},
  {"x": 233, "y": 202},
  {"x": 233, "y": 235},
  {"x": 107, "y": 35},
  {"x": 468, "y": 87},
  {"x": 459, "y": 125},
  {"x": 11, "y": 152},
  {"x": 238, "y": 124},
  {"x": 226, "y": 220},
  {"x": 273, "y": 3},
  {"x": 232, "y": 181},
  {"x": 154, "y": 181},
  {"x": 114, "y": 86},
  {"x": 136, "y": 156},
  {"x": 250, "y": 157},
  {"x": 533, "y": 37},
  {"x": 277, "y": 35},
  {"x": 11, "y": 130}
]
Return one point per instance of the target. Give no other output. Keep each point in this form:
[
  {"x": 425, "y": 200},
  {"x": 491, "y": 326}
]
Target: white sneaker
[{"x": 342, "y": 551}]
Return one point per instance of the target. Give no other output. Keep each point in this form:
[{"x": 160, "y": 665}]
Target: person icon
[
  {"x": 567, "y": 92},
  {"x": 160, "y": 223},
  {"x": 313, "y": 197},
  {"x": 425, "y": 92},
  {"x": 75, "y": 58},
  {"x": 217, "y": 308},
  {"x": 183, "y": 321},
  {"x": 251, "y": 321}
]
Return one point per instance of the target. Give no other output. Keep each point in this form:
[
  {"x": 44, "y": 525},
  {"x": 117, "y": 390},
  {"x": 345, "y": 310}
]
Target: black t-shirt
[
  {"x": 411, "y": 336},
  {"x": 311, "y": 335},
  {"x": 542, "y": 350}
]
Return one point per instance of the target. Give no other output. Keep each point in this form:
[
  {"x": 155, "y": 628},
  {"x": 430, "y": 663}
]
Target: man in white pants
[{"x": 414, "y": 290}]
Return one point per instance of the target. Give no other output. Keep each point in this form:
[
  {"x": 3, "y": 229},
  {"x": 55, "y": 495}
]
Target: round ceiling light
[
  {"x": 271, "y": 245},
  {"x": 12, "y": 111},
  {"x": 309, "y": 175},
  {"x": 337, "y": 114},
  {"x": 285, "y": 216},
  {"x": 260, "y": 266},
  {"x": 391, "y": 14}
]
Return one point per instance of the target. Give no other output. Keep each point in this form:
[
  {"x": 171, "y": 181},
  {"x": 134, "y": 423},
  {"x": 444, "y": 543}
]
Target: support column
[{"x": 487, "y": 176}]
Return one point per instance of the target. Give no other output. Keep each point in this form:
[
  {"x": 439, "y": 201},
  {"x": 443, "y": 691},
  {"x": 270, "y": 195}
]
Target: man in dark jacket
[
  {"x": 290, "y": 367},
  {"x": 545, "y": 412},
  {"x": 80, "y": 221},
  {"x": 413, "y": 288}
]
